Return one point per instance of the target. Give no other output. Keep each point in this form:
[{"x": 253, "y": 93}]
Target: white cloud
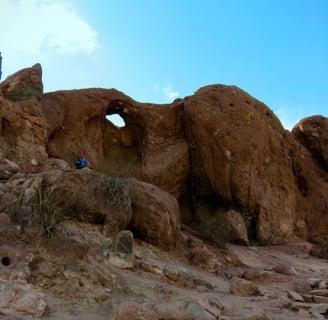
[
  {"x": 36, "y": 28},
  {"x": 170, "y": 93}
]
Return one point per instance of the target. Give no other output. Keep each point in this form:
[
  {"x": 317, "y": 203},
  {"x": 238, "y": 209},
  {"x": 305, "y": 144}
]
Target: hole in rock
[
  {"x": 116, "y": 120},
  {"x": 5, "y": 261}
]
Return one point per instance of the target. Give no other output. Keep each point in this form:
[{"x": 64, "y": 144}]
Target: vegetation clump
[
  {"x": 117, "y": 191},
  {"x": 49, "y": 212}
]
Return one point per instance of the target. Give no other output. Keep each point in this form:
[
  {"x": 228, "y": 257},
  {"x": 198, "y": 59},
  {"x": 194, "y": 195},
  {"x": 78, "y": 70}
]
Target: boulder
[
  {"x": 155, "y": 214},
  {"x": 243, "y": 288},
  {"x": 8, "y": 168},
  {"x": 122, "y": 253},
  {"x": 240, "y": 156},
  {"x": 130, "y": 310},
  {"x": 312, "y": 132},
  {"x": 24, "y": 84},
  {"x": 15, "y": 297},
  {"x": 22, "y": 123}
]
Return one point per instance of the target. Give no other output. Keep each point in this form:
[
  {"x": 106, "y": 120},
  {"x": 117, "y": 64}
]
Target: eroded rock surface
[
  {"x": 215, "y": 166},
  {"x": 312, "y": 132}
]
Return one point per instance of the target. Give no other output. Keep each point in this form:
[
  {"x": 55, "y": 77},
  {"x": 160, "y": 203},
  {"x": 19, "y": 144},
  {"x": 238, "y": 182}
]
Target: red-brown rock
[
  {"x": 312, "y": 132},
  {"x": 22, "y": 123},
  {"x": 155, "y": 215},
  {"x": 24, "y": 84},
  {"x": 242, "y": 157},
  {"x": 217, "y": 150},
  {"x": 151, "y": 146}
]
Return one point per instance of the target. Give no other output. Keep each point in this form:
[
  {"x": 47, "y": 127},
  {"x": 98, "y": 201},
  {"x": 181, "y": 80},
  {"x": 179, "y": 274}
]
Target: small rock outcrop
[
  {"x": 312, "y": 132},
  {"x": 22, "y": 123},
  {"x": 23, "y": 85}
]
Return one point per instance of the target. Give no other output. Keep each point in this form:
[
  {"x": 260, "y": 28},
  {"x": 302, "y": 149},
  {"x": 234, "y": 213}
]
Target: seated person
[{"x": 82, "y": 163}]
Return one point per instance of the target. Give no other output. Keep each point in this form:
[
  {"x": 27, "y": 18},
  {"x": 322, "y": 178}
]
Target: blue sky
[{"x": 158, "y": 50}]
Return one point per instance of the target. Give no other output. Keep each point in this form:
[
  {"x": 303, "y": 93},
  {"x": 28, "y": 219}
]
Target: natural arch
[{"x": 121, "y": 146}]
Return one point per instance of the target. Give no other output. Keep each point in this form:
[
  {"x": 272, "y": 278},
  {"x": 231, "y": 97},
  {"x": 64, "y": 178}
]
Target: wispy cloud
[
  {"x": 170, "y": 93},
  {"x": 35, "y": 27}
]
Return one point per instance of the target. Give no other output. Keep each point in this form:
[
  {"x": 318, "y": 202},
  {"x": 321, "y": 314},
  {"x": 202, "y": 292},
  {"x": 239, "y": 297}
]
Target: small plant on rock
[
  {"x": 117, "y": 191},
  {"x": 49, "y": 214}
]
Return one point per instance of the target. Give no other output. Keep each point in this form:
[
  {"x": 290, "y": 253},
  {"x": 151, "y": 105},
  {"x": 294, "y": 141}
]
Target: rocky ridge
[{"x": 146, "y": 233}]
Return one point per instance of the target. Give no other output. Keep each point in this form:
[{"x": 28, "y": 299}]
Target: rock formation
[
  {"x": 215, "y": 166},
  {"x": 217, "y": 150},
  {"x": 312, "y": 132}
]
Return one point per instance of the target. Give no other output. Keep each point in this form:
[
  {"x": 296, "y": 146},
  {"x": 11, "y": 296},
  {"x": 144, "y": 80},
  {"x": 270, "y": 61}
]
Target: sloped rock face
[
  {"x": 158, "y": 224},
  {"x": 24, "y": 84},
  {"x": 312, "y": 132},
  {"x": 22, "y": 123},
  {"x": 242, "y": 157},
  {"x": 48, "y": 198}
]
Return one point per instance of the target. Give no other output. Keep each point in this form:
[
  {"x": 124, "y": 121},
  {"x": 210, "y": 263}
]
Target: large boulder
[
  {"x": 22, "y": 124},
  {"x": 156, "y": 216},
  {"x": 312, "y": 132},
  {"x": 24, "y": 84},
  {"x": 241, "y": 157}
]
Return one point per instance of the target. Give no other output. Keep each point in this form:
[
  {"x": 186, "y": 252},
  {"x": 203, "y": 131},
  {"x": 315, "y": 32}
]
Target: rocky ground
[{"x": 80, "y": 274}]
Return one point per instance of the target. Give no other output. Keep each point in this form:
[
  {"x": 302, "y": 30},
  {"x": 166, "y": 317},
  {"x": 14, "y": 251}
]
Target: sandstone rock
[
  {"x": 7, "y": 168},
  {"x": 320, "y": 299},
  {"x": 181, "y": 277},
  {"x": 54, "y": 196},
  {"x": 94, "y": 198},
  {"x": 312, "y": 308},
  {"x": 284, "y": 269},
  {"x": 24, "y": 84},
  {"x": 242, "y": 287},
  {"x": 134, "y": 310},
  {"x": 295, "y": 296},
  {"x": 211, "y": 308},
  {"x": 122, "y": 253},
  {"x": 22, "y": 123},
  {"x": 304, "y": 313},
  {"x": 320, "y": 292},
  {"x": 198, "y": 311},
  {"x": 155, "y": 215},
  {"x": 312, "y": 132},
  {"x": 240, "y": 152},
  {"x": 257, "y": 275},
  {"x": 155, "y": 147},
  {"x": 234, "y": 225},
  {"x": 320, "y": 308},
  {"x": 320, "y": 250},
  {"x": 16, "y": 298},
  {"x": 51, "y": 164},
  {"x": 150, "y": 147}
]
